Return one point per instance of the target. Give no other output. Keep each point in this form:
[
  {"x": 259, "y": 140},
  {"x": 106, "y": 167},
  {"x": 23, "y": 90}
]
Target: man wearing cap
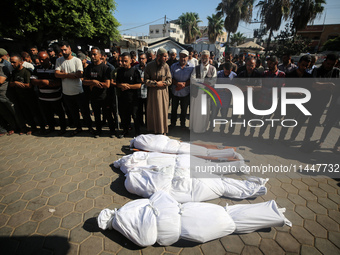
[
  {"x": 157, "y": 78},
  {"x": 173, "y": 57},
  {"x": 52, "y": 55},
  {"x": 4, "y": 61},
  {"x": 181, "y": 72}
]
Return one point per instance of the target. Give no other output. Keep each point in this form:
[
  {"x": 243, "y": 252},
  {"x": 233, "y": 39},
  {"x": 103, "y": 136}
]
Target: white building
[{"x": 168, "y": 30}]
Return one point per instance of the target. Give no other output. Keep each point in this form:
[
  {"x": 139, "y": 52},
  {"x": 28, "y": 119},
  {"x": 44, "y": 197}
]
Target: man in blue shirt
[{"x": 181, "y": 72}]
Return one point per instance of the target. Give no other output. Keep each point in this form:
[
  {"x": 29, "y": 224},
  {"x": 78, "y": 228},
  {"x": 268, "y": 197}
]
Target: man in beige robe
[{"x": 157, "y": 78}]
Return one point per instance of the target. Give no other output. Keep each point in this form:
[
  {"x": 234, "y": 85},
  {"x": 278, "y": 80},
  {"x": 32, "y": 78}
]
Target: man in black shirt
[
  {"x": 128, "y": 81},
  {"x": 97, "y": 77},
  {"x": 24, "y": 95}
]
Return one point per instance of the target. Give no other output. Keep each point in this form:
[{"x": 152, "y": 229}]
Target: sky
[{"x": 133, "y": 13}]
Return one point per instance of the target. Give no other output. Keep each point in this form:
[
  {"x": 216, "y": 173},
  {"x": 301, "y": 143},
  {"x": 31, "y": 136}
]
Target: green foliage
[
  {"x": 235, "y": 11},
  {"x": 332, "y": 44},
  {"x": 188, "y": 22},
  {"x": 287, "y": 42},
  {"x": 215, "y": 27},
  {"x": 237, "y": 38},
  {"x": 42, "y": 20}
]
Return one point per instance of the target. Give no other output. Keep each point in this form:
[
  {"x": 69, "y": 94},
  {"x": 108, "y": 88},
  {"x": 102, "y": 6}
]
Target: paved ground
[{"x": 52, "y": 188}]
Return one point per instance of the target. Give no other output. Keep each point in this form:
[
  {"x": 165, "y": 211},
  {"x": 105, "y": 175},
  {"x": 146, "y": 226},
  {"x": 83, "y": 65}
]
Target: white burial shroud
[
  {"x": 161, "y": 219},
  {"x": 149, "y": 172}
]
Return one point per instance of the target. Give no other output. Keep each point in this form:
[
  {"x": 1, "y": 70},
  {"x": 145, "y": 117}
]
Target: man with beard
[
  {"x": 173, "y": 57},
  {"x": 24, "y": 95},
  {"x": 70, "y": 70},
  {"x": 49, "y": 92},
  {"x": 128, "y": 81},
  {"x": 97, "y": 77},
  {"x": 157, "y": 78},
  {"x": 181, "y": 72}
]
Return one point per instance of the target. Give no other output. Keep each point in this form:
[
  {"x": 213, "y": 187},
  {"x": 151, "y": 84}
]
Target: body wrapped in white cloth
[
  {"x": 149, "y": 172},
  {"x": 163, "y": 220},
  {"x": 164, "y": 144}
]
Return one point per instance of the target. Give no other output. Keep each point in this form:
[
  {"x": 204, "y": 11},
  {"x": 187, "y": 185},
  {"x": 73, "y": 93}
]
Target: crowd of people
[{"x": 37, "y": 85}]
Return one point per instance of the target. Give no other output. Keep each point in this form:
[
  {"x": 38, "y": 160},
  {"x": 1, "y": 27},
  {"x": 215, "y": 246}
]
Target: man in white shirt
[{"x": 70, "y": 70}]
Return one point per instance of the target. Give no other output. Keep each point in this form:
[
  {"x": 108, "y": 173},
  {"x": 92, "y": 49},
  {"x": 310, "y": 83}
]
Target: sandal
[{"x": 11, "y": 132}]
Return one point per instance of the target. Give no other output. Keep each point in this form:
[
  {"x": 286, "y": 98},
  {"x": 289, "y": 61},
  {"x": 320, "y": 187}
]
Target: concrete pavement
[{"x": 52, "y": 188}]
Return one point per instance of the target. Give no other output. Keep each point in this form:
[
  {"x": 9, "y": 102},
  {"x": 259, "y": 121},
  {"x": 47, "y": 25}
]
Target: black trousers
[
  {"x": 53, "y": 107},
  {"x": 128, "y": 109},
  {"x": 184, "y": 103},
  {"x": 76, "y": 102},
  {"x": 100, "y": 107}
]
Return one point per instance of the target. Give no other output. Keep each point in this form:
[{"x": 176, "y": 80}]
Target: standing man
[
  {"x": 129, "y": 81},
  {"x": 150, "y": 55},
  {"x": 287, "y": 66},
  {"x": 24, "y": 94},
  {"x": 181, "y": 72},
  {"x": 192, "y": 59},
  {"x": 173, "y": 57},
  {"x": 143, "y": 92},
  {"x": 34, "y": 51},
  {"x": 321, "y": 91},
  {"x": 272, "y": 78},
  {"x": 206, "y": 73},
  {"x": 114, "y": 59},
  {"x": 157, "y": 78},
  {"x": 97, "y": 77},
  {"x": 228, "y": 58},
  {"x": 70, "y": 70},
  {"x": 49, "y": 92},
  {"x": 249, "y": 78}
]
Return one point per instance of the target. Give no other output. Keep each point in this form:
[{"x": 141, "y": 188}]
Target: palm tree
[
  {"x": 237, "y": 38},
  {"x": 273, "y": 12},
  {"x": 235, "y": 11},
  {"x": 188, "y": 22},
  {"x": 305, "y": 11},
  {"x": 215, "y": 27}
]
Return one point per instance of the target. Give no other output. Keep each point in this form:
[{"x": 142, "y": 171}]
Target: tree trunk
[
  {"x": 227, "y": 48},
  {"x": 268, "y": 42}
]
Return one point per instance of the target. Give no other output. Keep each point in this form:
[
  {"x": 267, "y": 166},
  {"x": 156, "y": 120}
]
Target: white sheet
[
  {"x": 162, "y": 219},
  {"x": 149, "y": 172}
]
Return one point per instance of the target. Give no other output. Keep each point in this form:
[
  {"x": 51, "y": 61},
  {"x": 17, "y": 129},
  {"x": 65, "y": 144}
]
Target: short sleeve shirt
[
  {"x": 100, "y": 73},
  {"x": 70, "y": 87}
]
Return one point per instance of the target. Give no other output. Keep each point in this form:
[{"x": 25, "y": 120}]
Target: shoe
[
  {"x": 120, "y": 136},
  {"x": 91, "y": 131},
  {"x": 2, "y": 134},
  {"x": 171, "y": 126},
  {"x": 61, "y": 132},
  {"x": 11, "y": 132},
  {"x": 76, "y": 132},
  {"x": 96, "y": 135},
  {"x": 261, "y": 138},
  {"x": 184, "y": 128}
]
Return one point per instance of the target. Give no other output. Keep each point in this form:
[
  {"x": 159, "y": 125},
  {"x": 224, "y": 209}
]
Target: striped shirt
[{"x": 47, "y": 93}]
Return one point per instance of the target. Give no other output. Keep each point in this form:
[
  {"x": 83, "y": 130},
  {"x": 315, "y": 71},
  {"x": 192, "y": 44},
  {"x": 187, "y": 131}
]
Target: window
[
  {"x": 157, "y": 31},
  {"x": 151, "y": 31}
]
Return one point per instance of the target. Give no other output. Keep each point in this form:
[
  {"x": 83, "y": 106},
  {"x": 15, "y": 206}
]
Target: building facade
[
  {"x": 167, "y": 30},
  {"x": 319, "y": 34}
]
